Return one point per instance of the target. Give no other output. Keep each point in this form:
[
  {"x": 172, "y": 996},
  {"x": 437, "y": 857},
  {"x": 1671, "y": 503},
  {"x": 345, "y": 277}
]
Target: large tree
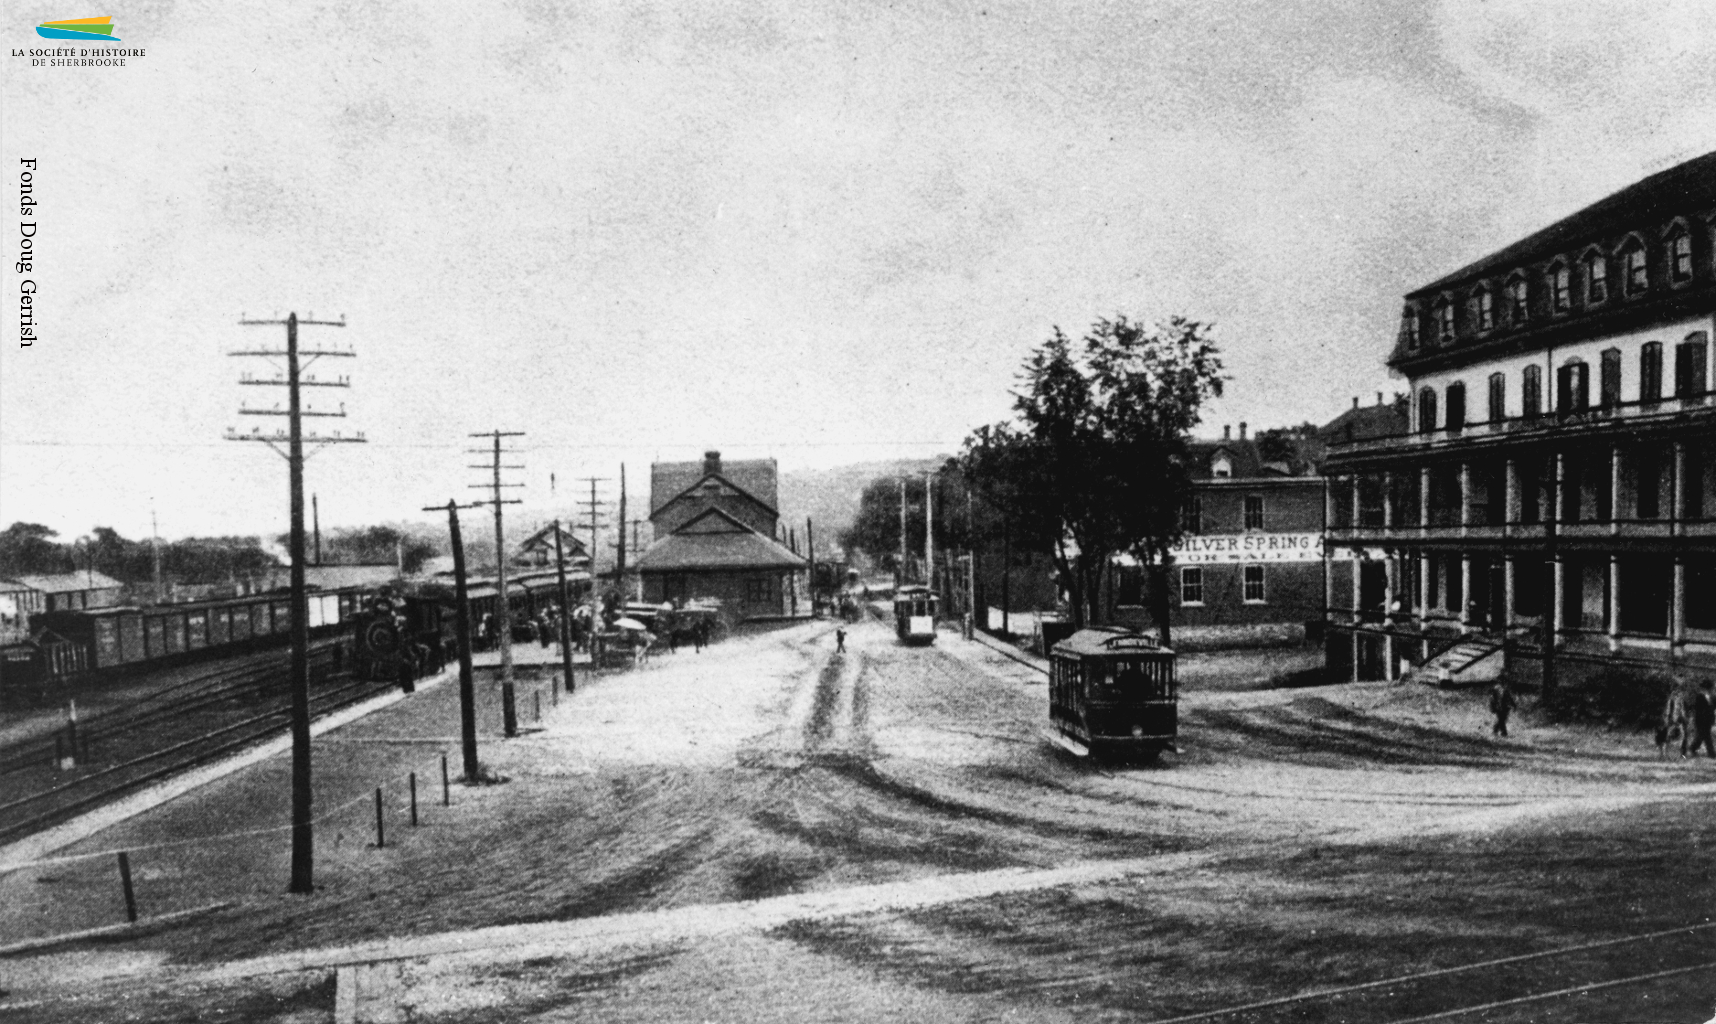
[
  {"x": 1095, "y": 460},
  {"x": 29, "y": 549},
  {"x": 876, "y": 528}
]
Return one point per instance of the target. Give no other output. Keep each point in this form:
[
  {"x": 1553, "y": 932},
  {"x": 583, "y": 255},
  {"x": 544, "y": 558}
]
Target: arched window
[
  {"x": 1483, "y": 304},
  {"x": 1679, "y": 253},
  {"x": 1596, "y": 278},
  {"x": 1427, "y": 410},
  {"x": 1560, "y": 283},
  {"x": 1456, "y": 413},
  {"x": 1531, "y": 391},
  {"x": 1635, "y": 267},
  {"x": 1498, "y": 397},
  {"x": 1650, "y": 371},
  {"x": 1609, "y": 391},
  {"x": 1517, "y": 294}
]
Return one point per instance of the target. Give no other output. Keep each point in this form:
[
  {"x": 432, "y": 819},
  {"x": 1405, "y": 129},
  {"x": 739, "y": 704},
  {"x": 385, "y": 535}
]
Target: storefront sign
[{"x": 1208, "y": 549}]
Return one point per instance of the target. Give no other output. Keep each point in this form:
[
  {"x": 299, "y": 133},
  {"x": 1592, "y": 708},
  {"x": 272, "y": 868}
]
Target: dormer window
[
  {"x": 1516, "y": 299},
  {"x": 1221, "y": 466},
  {"x": 1561, "y": 287},
  {"x": 1680, "y": 254},
  {"x": 1444, "y": 321},
  {"x": 1633, "y": 260},
  {"x": 1596, "y": 279},
  {"x": 1483, "y": 309},
  {"x": 1409, "y": 327}
]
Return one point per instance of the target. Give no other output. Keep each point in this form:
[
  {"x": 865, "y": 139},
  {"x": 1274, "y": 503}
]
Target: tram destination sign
[{"x": 1209, "y": 549}]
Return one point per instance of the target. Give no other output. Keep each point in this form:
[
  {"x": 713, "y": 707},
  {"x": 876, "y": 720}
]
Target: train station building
[
  {"x": 1558, "y": 475},
  {"x": 714, "y": 525}
]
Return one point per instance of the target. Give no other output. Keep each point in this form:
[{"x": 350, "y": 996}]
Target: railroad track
[{"x": 224, "y": 714}]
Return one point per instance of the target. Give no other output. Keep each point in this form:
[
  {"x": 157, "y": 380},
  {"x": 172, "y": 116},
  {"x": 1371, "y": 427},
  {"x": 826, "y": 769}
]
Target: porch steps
[{"x": 1471, "y": 662}]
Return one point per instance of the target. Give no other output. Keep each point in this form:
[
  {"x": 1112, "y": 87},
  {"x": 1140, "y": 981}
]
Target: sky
[{"x": 819, "y": 232}]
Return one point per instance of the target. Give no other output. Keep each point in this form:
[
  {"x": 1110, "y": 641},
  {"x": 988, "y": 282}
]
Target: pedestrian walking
[
  {"x": 839, "y": 640},
  {"x": 1704, "y": 718},
  {"x": 1502, "y": 704}
]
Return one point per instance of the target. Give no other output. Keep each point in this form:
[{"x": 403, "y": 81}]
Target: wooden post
[
  {"x": 538, "y": 695},
  {"x": 462, "y": 621},
  {"x": 380, "y": 837},
  {"x": 125, "y": 883},
  {"x": 810, "y": 549},
  {"x": 446, "y": 789},
  {"x": 566, "y": 609},
  {"x": 412, "y": 777},
  {"x": 71, "y": 731}
]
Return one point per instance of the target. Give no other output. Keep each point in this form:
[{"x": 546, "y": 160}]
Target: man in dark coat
[
  {"x": 1704, "y": 718},
  {"x": 1502, "y": 704}
]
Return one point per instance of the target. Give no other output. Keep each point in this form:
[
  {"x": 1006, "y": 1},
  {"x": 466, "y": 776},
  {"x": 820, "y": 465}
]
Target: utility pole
[
  {"x": 810, "y": 549},
  {"x": 792, "y": 577},
  {"x": 316, "y": 524},
  {"x": 620, "y": 568},
  {"x": 303, "y": 849},
  {"x": 594, "y": 508},
  {"x": 1551, "y": 604},
  {"x": 929, "y": 535},
  {"x": 503, "y": 605},
  {"x": 462, "y": 622},
  {"x": 970, "y": 567},
  {"x": 900, "y": 575},
  {"x": 1007, "y": 573},
  {"x": 565, "y": 609},
  {"x": 155, "y": 548}
]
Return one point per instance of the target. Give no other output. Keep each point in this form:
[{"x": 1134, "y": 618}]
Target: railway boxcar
[
  {"x": 1113, "y": 691},
  {"x": 915, "y": 614},
  {"x": 132, "y": 637}
]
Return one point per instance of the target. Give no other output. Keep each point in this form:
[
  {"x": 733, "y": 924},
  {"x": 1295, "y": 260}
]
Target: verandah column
[{"x": 1614, "y": 601}]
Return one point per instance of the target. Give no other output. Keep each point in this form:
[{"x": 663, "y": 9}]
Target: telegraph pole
[
  {"x": 594, "y": 507},
  {"x": 810, "y": 548},
  {"x": 155, "y": 548},
  {"x": 503, "y": 605},
  {"x": 316, "y": 525},
  {"x": 565, "y": 609},
  {"x": 929, "y": 535},
  {"x": 303, "y": 850},
  {"x": 462, "y": 622},
  {"x": 900, "y": 576},
  {"x": 620, "y": 569}
]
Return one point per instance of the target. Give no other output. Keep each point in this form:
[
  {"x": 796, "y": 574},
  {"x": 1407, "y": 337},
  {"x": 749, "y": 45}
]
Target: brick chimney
[
  {"x": 1227, "y": 432},
  {"x": 1355, "y": 401},
  {"x": 711, "y": 462},
  {"x": 1379, "y": 398},
  {"x": 1242, "y": 430}
]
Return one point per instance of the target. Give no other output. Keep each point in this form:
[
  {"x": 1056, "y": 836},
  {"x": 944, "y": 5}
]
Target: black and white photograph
[{"x": 736, "y": 511}]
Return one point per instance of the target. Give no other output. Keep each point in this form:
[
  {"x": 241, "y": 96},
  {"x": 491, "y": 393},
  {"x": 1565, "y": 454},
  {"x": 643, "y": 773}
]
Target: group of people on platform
[{"x": 1689, "y": 721}]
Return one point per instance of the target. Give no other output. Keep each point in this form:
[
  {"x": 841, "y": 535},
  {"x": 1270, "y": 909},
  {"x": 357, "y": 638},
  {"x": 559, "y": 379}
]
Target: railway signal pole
[
  {"x": 462, "y": 623},
  {"x": 503, "y": 605},
  {"x": 303, "y": 850}
]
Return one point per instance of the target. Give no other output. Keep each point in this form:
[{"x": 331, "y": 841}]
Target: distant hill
[{"x": 830, "y": 496}]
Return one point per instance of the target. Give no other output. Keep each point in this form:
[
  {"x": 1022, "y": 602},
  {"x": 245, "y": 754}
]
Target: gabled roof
[
  {"x": 715, "y": 540},
  {"x": 755, "y": 478},
  {"x": 1364, "y": 422},
  {"x": 1242, "y": 458},
  {"x": 1684, "y": 189},
  {"x": 70, "y": 582},
  {"x": 570, "y": 544}
]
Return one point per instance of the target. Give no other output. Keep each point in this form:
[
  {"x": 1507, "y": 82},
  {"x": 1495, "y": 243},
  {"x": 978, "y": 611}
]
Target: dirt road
[{"x": 768, "y": 830}]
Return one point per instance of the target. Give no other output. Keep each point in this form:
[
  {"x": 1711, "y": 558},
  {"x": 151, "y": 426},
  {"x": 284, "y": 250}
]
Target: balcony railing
[{"x": 1631, "y": 413}]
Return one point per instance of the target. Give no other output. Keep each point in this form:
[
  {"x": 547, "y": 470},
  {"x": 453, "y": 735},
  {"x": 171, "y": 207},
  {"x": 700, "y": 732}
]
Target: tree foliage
[
  {"x": 1094, "y": 464},
  {"x": 959, "y": 524}
]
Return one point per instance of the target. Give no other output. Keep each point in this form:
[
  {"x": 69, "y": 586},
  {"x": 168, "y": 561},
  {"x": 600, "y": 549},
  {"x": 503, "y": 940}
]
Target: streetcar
[
  {"x": 1113, "y": 691},
  {"x": 914, "y": 614}
]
